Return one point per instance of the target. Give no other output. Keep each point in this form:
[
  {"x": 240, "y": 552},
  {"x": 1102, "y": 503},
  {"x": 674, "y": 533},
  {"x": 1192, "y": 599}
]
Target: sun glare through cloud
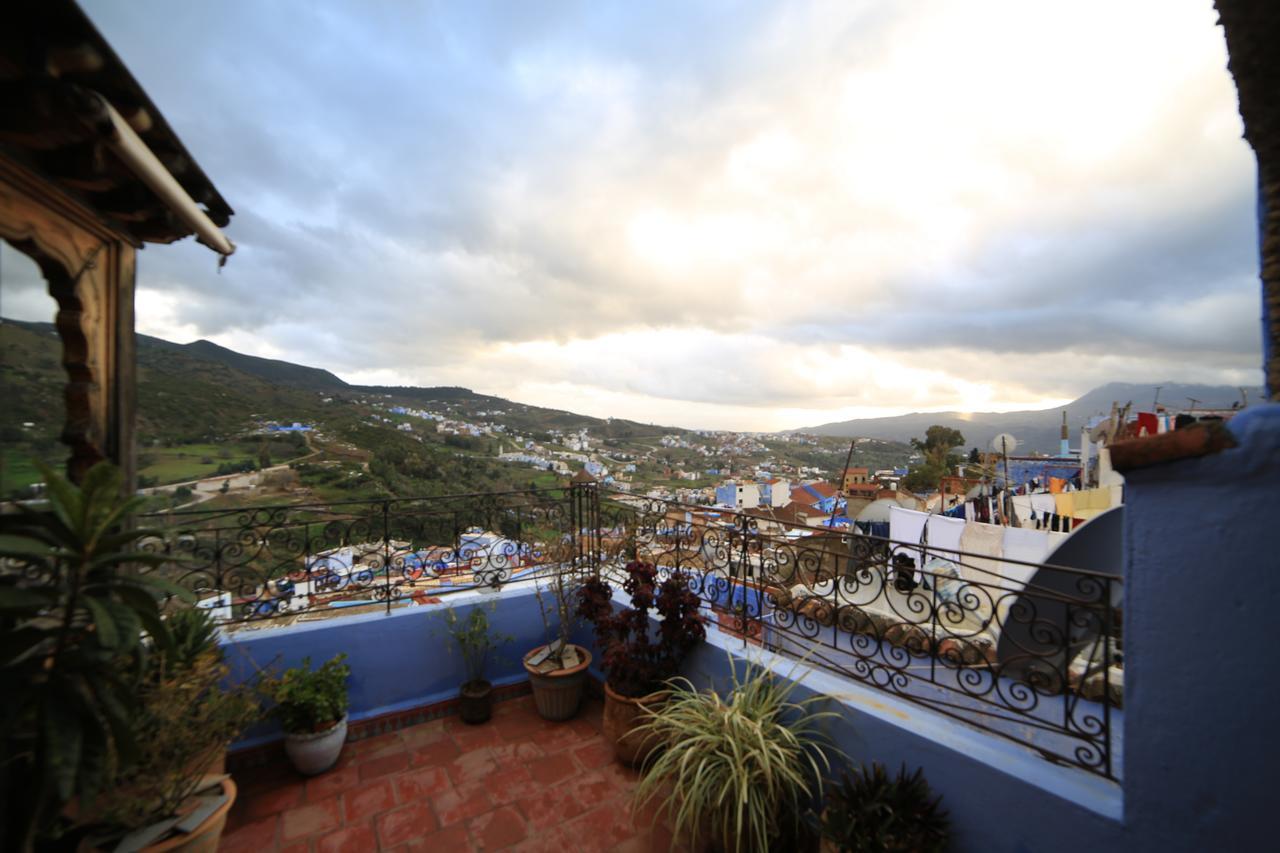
[{"x": 814, "y": 210}]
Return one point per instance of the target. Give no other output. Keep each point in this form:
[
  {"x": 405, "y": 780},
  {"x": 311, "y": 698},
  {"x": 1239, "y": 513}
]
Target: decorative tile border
[{"x": 263, "y": 754}]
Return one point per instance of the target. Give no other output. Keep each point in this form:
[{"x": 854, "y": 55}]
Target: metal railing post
[
  {"x": 744, "y": 619},
  {"x": 386, "y": 551},
  {"x": 1106, "y": 677}
]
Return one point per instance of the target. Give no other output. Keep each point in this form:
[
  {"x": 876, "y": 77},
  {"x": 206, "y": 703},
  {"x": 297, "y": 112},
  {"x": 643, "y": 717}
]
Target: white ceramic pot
[{"x": 315, "y": 752}]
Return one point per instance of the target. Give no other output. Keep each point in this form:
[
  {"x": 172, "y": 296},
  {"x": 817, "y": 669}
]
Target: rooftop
[{"x": 517, "y": 782}]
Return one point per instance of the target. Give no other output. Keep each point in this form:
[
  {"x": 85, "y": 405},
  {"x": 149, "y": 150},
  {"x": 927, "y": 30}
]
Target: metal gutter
[{"x": 140, "y": 160}]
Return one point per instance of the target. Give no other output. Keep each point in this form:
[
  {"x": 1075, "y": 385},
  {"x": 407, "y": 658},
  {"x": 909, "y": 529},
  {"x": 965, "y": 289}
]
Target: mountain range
[
  {"x": 1035, "y": 430},
  {"x": 1039, "y": 430}
]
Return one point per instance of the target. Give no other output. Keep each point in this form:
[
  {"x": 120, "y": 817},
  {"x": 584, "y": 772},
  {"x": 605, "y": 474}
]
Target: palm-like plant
[
  {"x": 870, "y": 812},
  {"x": 739, "y": 772},
  {"x": 186, "y": 716},
  {"x": 73, "y": 612}
]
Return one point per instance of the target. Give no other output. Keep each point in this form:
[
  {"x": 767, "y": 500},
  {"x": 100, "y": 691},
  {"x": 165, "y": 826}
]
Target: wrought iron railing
[
  {"x": 1032, "y": 653},
  {"x": 321, "y": 559},
  {"x": 1029, "y": 652}
]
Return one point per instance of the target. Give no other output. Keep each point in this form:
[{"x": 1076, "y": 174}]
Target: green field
[
  {"x": 184, "y": 462},
  {"x": 18, "y": 470}
]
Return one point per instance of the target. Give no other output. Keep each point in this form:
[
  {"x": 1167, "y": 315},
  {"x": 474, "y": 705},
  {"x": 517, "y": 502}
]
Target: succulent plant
[{"x": 869, "y": 812}]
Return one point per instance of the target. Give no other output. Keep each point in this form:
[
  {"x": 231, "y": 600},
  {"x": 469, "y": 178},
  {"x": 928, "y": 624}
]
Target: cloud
[{"x": 712, "y": 212}]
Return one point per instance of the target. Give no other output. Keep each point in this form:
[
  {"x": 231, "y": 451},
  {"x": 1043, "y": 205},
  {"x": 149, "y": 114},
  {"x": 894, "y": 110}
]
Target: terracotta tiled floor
[{"x": 516, "y": 782}]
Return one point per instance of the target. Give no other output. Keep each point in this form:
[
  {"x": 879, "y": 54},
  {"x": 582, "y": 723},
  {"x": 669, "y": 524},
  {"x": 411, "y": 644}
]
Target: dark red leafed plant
[{"x": 635, "y": 662}]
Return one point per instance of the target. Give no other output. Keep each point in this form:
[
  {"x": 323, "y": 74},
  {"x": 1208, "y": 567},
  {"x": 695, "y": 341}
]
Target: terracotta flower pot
[
  {"x": 621, "y": 715},
  {"x": 475, "y": 702},
  {"x": 557, "y": 694},
  {"x": 206, "y": 837}
]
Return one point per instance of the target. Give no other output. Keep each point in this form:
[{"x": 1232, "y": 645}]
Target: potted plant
[
  {"x": 186, "y": 719},
  {"x": 312, "y": 707},
  {"x": 868, "y": 812},
  {"x": 475, "y": 642},
  {"x": 740, "y": 772},
  {"x": 557, "y": 669},
  {"x": 73, "y": 611},
  {"x": 636, "y": 663}
]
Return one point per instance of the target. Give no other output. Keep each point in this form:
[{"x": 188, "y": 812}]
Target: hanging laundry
[
  {"x": 907, "y": 526},
  {"x": 1148, "y": 424},
  {"x": 944, "y": 534},
  {"x": 1044, "y": 503},
  {"x": 1065, "y": 504},
  {"x": 1024, "y": 509},
  {"x": 1029, "y": 546},
  {"x": 983, "y": 545},
  {"x": 923, "y": 535}
]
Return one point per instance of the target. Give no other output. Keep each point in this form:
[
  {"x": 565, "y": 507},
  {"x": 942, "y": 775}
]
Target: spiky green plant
[
  {"x": 193, "y": 633},
  {"x": 73, "y": 612},
  {"x": 738, "y": 772},
  {"x": 868, "y": 812}
]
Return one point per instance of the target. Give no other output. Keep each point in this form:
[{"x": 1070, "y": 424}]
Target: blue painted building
[
  {"x": 294, "y": 427},
  {"x": 1024, "y": 469}
]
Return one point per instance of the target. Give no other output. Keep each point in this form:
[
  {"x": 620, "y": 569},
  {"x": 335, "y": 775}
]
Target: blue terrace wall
[
  {"x": 1202, "y": 587},
  {"x": 1000, "y": 796},
  {"x": 399, "y": 661}
]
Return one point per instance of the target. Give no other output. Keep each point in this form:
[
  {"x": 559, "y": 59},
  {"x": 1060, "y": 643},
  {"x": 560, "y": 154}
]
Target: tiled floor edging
[{"x": 257, "y": 756}]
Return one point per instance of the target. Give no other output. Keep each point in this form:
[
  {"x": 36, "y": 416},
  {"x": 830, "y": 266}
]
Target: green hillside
[{"x": 204, "y": 411}]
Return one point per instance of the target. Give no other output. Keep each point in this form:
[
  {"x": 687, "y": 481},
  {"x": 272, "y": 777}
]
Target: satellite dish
[{"x": 1004, "y": 443}]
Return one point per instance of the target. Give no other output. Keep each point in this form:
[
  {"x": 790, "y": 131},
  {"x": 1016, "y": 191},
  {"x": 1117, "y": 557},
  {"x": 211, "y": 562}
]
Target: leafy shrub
[
  {"x": 634, "y": 664},
  {"x": 307, "y": 700},
  {"x": 185, "y": 721},
  {"x": 474, "y": 639}
]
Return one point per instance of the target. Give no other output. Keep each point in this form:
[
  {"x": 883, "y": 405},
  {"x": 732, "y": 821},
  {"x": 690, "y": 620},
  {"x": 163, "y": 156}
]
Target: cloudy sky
[{"x": 712, "y": 214}]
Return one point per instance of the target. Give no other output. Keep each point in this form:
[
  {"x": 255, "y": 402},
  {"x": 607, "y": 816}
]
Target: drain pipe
[{"x": 130, "y": 148}]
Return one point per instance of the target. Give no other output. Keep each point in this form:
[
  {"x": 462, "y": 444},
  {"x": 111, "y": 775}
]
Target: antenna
[
  {"x": 1155, "y": 404},
  {"x": 844, "y": 475},
  {"x": 1193, "y": 403},
  {"x": 1003, "y": 444}
]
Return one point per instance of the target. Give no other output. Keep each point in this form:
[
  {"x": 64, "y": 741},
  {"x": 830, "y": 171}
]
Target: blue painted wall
[
  {"x": 1000, "y": 796},
  {"x": 399, "y": 661},
  {"x": 1202, "y": 584}
]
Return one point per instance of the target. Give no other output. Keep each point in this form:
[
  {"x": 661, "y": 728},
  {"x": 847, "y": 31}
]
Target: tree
[
  {"x": 975, "y": 457},
  {"x": 938, "y": 442},
  {"x": 938, "y": 459},
  {"x": 922, "y": 478}
]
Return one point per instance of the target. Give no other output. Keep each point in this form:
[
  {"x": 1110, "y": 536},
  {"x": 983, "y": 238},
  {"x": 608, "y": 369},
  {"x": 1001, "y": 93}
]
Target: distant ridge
[
  {"x": 270, "y": 369},
  {"x": 1036, "y": 430}
]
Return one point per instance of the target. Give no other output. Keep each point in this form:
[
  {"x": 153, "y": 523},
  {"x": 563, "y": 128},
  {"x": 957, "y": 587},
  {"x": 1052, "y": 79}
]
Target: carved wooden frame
[{"x": 90, "y": 269}]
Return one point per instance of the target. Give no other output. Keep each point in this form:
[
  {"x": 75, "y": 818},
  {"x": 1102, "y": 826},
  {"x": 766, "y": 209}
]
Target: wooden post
[{"x": 90, "y": 269}]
